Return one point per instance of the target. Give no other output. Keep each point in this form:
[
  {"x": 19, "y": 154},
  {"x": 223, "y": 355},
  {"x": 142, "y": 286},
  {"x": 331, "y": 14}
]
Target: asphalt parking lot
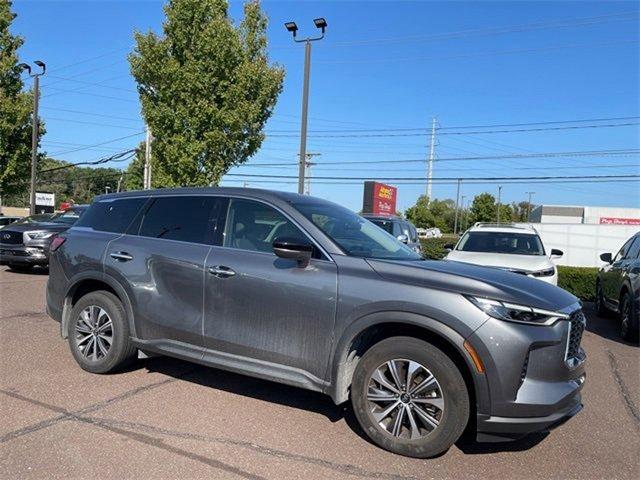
[{"x": 165, "y": 418}]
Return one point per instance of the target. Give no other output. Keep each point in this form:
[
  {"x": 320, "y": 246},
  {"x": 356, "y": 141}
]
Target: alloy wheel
[
  {"x": 625, "y": 317},
  {"x": 94, "y": 333},
  {"x": 405, "y": 399}
]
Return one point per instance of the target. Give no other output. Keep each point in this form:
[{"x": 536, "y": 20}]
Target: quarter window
[
  {"x": 186, "y": 219},
  {"x": 254, "y": 226},
  {"x": 111, "y": 216}
]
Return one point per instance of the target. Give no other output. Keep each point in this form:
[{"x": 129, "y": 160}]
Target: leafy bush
[
  {"x": 580, "y": 281},
  {"x": 433, "y": 248}
]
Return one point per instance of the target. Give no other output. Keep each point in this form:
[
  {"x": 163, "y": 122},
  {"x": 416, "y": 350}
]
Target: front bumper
[
  {"x": 534, "y": 381},
  {"x": 501, "y": 429},
  {"x": 21, "y": 255}
]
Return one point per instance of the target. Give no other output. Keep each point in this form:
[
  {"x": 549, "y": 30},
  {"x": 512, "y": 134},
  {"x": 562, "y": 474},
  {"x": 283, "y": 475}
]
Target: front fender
[{"x": 342, "y": 369}]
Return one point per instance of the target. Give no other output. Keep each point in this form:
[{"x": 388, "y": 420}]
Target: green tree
[
  {"x": 15, "y": 112},
  {"x": 521, "y": 211},
  {"x": 207, "y": 89},
  {"x": 434, "y": 213},
  {"x": 485, "y": 209}
]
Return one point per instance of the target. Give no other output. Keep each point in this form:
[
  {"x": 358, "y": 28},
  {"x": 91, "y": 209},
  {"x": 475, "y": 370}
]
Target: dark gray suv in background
[{"x": 302, "y": 291}]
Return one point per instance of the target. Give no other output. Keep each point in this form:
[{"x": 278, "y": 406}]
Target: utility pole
[
  {"x": 35, "y": 130},
  {"x": 146, "y": 181},
  {"x": 308, "y": 165},
  {"x": 455, "y": 221},
  {"x": 499, "y": 195},
  {"x": 321, "y": 24},
  {"x": 463, "y": 214},
  {"x": 120, "y": 183},
  {"x": 529, "y": 205},
  {"x": 432, "y": 153}
]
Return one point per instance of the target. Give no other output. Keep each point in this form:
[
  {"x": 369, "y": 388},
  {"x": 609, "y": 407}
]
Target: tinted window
[
  {"x": 386, "y": 225},
  {"x": 634, "y": 250},
  {"x": 254, "y": 226},
  {"x": 501, "y": 242},
  {"x": 355, "y": 235},
  {"x": 414, "y": 233},
  {"x": 622, "y": 253},
  {"x": 112, "y": 216},
  {"x": 187, "y": 219}
]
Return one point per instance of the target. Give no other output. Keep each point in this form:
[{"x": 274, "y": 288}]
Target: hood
[
  {"x": 529, "y": 263},
  {"x": 475, "y": 280},
  {"x": 28, "y": 227}
]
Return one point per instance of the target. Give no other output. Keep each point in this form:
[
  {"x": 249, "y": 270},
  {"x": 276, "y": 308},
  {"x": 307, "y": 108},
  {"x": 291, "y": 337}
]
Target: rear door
[
  {"x": 263, "y": 307},
  {"x": 160, "y": 261}
]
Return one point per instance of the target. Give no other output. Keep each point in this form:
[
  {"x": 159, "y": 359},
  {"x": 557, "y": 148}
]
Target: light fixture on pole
[
  {"x": 321, "y": 24},
  {"x": 35, "y": 128}
]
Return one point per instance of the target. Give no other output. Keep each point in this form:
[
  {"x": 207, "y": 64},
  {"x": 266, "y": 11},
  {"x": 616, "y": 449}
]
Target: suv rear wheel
[
  {"x": 409, "y": 397},
  {"x": 99, "y": 333}
]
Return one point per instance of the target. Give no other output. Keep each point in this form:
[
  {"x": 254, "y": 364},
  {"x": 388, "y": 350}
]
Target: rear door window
[
  {"x": 111, "y": 215},
  {"x": 634, "y": 250},
  {"x": 183, "y": 218}
]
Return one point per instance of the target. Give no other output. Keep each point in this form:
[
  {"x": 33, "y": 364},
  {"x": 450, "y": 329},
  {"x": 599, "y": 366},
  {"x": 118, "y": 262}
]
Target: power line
[
  {"x": 98, "y": 144},
  {"x": 118, "y": 157},
  {"x": 424, "y": 133},
  {"x": 466, "y": 179},
  {"x": 115, "y": 117}
]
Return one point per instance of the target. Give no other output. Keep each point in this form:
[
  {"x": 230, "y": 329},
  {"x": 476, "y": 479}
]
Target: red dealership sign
[
  {"x": 379, "y": 199},
  {"x": 619, "y": 221}
]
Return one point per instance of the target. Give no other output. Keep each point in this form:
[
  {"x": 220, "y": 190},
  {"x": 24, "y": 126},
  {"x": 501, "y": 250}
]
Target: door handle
[
  {"x": 121, "y": 256},
  {"x": 221, "y": 271}
]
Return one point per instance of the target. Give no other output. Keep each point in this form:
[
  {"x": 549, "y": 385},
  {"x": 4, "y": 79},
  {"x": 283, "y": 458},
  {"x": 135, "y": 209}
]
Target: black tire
[
  {"x": 453, "y": 418},
  {"x": 120, "y": 353},
  {"x": 16, "y": 267},
  {"x": 601, "y": 308},
  {"x": 628, "y": 319}
]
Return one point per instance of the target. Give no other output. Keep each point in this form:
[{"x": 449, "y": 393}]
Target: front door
[
  {"x": 263, "y": 307},
  {"x": 161, "y": 265}
]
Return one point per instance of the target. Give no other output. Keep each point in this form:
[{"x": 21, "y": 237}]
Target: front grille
[
  {"x": 577, "y": 322},
  {"x": 10, "y": 238}
]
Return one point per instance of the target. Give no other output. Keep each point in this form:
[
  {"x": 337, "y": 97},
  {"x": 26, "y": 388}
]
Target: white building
[
  {"x": 591, "y": 215},
  {"x": 583, "y": 233}
]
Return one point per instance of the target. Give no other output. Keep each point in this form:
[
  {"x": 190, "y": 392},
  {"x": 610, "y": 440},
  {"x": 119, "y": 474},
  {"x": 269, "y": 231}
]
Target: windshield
[
  {"x": 357, "y": 236},
  {"x": 41, "y": 217},
  {"x": 501, "y": 242},
  {"x": 69, "y": 217}
]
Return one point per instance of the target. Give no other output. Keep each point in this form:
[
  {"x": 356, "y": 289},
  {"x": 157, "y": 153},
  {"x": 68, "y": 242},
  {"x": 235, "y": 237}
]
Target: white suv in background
[{"x": 517, "y": 248}]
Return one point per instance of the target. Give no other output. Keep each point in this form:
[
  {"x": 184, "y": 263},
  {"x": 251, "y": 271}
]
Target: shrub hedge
[
  {"x": 433, "y": 248},
  {"x": 580, "y": 281}
]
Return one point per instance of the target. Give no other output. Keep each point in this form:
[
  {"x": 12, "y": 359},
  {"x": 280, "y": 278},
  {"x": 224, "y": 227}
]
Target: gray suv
[
  {"x": 304, "y": 292},
  {"x": 402, "y": 229}
]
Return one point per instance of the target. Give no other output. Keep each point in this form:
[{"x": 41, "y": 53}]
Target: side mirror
[
  {"x": 555, "y": 253},
  {"x": 606, "y": 257},
  {"x": 403, "y": 238},
  {"x": 296, "y": 249},
  {"x": 449, "y": 246}
]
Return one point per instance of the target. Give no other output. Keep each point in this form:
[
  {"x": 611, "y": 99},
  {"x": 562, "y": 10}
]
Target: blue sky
[{"x": 383, "y": 65}]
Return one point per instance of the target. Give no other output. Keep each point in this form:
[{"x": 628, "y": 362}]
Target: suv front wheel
[
  {"x": 409, "y": 397},
  {"x": 99, "y": 333}
]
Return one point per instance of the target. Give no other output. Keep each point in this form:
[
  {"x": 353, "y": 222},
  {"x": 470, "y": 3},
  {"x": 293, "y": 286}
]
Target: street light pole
[
  {"x": 455, "y": 221},
  {"x": 35, "y": 130},
  {"x": 320, "y": 23}
]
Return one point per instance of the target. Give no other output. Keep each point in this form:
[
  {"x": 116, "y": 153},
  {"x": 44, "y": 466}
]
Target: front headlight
[
  {"x": 548, "y": 272},
  {"x": 516, "y": 313},
  {"x": 39, "y": 235}
]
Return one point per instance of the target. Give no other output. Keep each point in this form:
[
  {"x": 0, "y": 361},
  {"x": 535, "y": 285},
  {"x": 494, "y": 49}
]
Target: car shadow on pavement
[
  {"x": 604, "y": 326},
  {"x": 303, "y": 399},
  {"x": 31, "y": 271}
]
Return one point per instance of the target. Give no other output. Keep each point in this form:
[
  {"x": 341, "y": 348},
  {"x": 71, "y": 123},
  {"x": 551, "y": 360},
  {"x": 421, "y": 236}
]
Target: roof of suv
[
  {"x": 504, "y": 227},
  {"x": 254, "y": 192}
]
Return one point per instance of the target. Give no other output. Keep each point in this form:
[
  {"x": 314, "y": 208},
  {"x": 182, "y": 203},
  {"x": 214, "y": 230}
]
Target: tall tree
[
  {"x": 15, "y": 112},
  {"x": 207, "y": 89},
  {"x": 485, "y": 209},
  {"x": 432, "y": 213}
]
